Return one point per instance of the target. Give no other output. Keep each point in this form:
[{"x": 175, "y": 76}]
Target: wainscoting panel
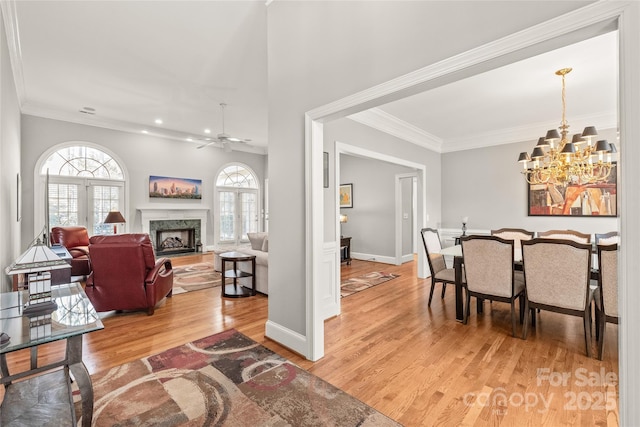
[{"x": 330, "y": 284}]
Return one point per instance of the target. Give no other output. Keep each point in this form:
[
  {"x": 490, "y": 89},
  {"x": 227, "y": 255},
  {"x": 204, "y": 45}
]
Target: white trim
[
  {"x": 385, "y": 122},
  {"x": 288, "y": 338},
  {"x": 400, "y": 257},
  {"x": 582, "y": 23},
  {"x": 372, "y": 257},
  {"x": 12, "y": 31}
]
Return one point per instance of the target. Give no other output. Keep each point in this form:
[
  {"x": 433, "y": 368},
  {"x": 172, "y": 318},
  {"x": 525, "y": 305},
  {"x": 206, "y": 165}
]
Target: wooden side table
[
  {"x": 236, "y": 290},
  {"x": 345, "y": 250}
]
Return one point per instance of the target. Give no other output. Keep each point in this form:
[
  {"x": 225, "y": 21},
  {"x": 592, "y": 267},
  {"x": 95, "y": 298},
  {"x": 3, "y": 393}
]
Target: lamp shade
[
  {"x": 524, "y": 157},
  {"x": 37, "y": 257},
  {"x": 552, "y": 134},
  {"x": 612, "y": 148},
  {"x": 568, "y": 148},
  {"x": 578, "y": 139},
  {"x": 114, "y": 217},
  {"x": 603, "y": 146},
  {"x": 589, "y": 131},
  {"x": 343, "y": 219},
  {"x": 537, "y": 153},
  {"x": 542, "y": 142}
]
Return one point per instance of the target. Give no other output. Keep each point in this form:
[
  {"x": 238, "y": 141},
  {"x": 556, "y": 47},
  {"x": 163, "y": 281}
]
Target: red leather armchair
[
  {"x": 76, "y": 240},
  {"x": 125, "y": 274}
]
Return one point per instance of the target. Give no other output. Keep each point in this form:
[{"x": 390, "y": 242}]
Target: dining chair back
[
  {"x": 515, "y": 234},
  {"x": 611, "y": 238},
  {"x": 573, "y": 235},
  {"x": 437, "y": 265},
  {"x": 557, "y": 273},
  {"x": 607, "y": 302},
  {"x": 488, "y": 262}
]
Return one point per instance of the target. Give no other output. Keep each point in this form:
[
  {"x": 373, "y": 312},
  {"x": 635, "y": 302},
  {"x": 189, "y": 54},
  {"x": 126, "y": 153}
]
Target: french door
[
  {"x": 84, "y": 202},
  {"x": 238, "y": 214}
]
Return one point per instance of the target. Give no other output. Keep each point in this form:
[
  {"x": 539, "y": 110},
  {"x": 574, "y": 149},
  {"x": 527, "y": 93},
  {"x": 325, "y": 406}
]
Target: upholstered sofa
[
  {"x": 258, "y": 246},
  {"x": 76, "y": 240}
]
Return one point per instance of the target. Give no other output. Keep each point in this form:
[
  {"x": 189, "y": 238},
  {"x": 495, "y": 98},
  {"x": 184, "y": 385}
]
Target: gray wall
[
  {"x": 142, "y": 156},
  {"x": 492, "y": 192},
  {"x": 10, "y": 245},
  {"x": 372, "y": 219},
  {"x": 319, "y": 53}
]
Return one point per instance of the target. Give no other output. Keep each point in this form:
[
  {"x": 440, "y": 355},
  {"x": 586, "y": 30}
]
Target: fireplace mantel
[{"x": 168, "y": 213}]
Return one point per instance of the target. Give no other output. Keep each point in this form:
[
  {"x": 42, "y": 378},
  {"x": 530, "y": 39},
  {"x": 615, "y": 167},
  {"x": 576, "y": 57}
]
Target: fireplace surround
[{"x": 175, "y": 219}]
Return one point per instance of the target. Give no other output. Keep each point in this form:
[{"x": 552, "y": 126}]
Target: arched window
[
  {"x": 237, "y": 203},
  {"x": 85, "y": 184}
]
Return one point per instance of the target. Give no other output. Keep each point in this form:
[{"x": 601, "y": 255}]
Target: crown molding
[
  {"x": 10, "y": 19},
  {"x": 392, "y": 125}
]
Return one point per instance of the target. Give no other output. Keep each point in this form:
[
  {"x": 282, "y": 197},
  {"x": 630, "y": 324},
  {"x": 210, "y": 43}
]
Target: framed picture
[
  {"x": 325, "y": 169},
  {"x": 346, "y": 195},
  {"x": 175, "y": 188},
  {"x": 587, "y": 200}
]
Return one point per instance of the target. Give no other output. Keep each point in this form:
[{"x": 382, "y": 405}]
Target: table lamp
[
  {"x": 36, "y": 264},
  {"x": 115, "y": 218},
  {"x": 343, "y": 219},
  {"x": 464, "y": 225}
]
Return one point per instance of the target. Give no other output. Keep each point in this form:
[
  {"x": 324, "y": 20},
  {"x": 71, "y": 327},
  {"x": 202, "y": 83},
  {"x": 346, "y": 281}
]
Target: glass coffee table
[{"x": 73, "y": 317}]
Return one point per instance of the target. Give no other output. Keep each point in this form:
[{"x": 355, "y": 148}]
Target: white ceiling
[{"x": 136, "y": 61}]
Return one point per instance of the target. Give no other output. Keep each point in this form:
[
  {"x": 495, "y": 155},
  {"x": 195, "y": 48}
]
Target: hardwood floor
[{"x": 413, "y": 363}]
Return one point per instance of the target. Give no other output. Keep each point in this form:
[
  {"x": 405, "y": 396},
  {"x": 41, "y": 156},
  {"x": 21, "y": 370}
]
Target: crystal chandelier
[{"x": 555, "y": 159}]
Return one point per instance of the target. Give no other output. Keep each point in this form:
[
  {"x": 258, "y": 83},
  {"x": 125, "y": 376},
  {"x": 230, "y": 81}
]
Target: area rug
[
  {"x": 225, "y": 379},
  {"x": 194, "y": 277},
  {"x": 366, "y": 281}
]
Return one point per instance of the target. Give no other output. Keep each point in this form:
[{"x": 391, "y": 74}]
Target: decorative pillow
[
  {"x": 256, "y": 240},
  {"x": 265, "y": 244}
]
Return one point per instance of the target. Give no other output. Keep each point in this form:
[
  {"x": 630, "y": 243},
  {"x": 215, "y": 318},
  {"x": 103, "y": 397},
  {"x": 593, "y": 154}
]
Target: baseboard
[
  {"x": 288, "y": 338},
  {"x": 371, "y": 257}
]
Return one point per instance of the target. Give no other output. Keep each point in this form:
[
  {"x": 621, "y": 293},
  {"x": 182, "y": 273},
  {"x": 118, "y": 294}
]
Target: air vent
[{"x": 88, "y": 110}]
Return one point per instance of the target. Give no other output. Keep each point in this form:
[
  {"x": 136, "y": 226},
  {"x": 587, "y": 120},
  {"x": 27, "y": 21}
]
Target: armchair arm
[
  {"x": 157, "y": 270},
  {"x": 76, "y": 252}
]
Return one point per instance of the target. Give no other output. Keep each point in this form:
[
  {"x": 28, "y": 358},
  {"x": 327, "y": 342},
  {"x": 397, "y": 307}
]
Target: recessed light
[
  {"x": 207, "y": 131},
  {"x": 189, "y": 139},
  {"x": 158, "y": 121},
  {"x": 145, "y": 131}
]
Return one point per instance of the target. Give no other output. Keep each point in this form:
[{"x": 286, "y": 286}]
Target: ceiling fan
[{"x": 223, "y": 138}]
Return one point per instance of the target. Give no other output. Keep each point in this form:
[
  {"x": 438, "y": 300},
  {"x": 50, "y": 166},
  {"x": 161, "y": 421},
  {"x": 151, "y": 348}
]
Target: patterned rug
[
  {"x": 225, "y": 379},
  {"x": 366, "y": 281},
  {"x": 194, "y": 277}
]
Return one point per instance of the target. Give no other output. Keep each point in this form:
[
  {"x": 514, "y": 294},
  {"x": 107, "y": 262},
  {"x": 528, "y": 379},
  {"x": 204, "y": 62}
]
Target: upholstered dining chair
[
  {"x": 576, "y": 236},
  {"x": 607, "y": 298},
  {"x": 557, "y": 273},
  {"x": 515, "y": 234},
  {"x": 439, "y": 271},
  {"x": 611, "y": 238},
  {"x": 488, "y": 262}
]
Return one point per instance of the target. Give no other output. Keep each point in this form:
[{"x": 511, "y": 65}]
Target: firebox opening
[{"x": 175, "y": 241}]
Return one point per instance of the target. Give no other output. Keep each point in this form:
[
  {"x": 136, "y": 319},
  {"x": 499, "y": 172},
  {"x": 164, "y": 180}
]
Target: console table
[
  {"x": 236, "y": 290},
  {"x": 73, "y": 317},
  {"x": 345, "y": 250}
]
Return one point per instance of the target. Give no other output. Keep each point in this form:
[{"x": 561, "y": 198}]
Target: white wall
[
  {"x": 492, "y": 192},
  {"x": 142, "y": 156},
  {"x": 10, "y": 245},
  {"x": 319, "y": 53}
]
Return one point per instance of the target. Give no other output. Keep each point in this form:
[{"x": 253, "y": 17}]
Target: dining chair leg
[
  {"x": 587, "y": 332},
  {"x": 467, "y": 310},
  {"x": 521, "y": 301},
  {"x": 526, "y": 320},
  {"x": 513, "y": 317},
  {"x": 433, "y": 285},
  {"x": 601, "y": 327},
  {"x": 444, "y": 289}
]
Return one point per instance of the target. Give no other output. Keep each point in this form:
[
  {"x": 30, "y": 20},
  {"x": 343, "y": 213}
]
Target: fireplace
[
  {"x": 175, "y": 241},
  {"x": 175, "y": 236}
]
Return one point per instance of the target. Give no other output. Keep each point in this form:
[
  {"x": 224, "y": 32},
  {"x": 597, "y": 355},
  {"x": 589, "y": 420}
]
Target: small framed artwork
[
  {"x": 325, "y": 169},
  {"x": 346, "y": 195}
]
